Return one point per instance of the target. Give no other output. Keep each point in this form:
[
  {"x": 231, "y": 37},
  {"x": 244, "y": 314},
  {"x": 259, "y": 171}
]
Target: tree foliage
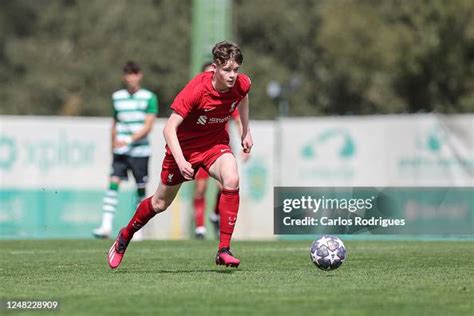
[
  {"x": 362, "y": 57},
  {"x": 338, "y": 57},
  {"x": 67, "y": 57}
]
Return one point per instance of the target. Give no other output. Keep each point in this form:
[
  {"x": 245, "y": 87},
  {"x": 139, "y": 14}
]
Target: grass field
[{"x": 275, "y": 278}]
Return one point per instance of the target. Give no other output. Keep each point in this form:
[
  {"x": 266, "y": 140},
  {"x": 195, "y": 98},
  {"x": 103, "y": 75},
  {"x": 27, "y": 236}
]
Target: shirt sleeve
[
  {"x": 152, "y": 105},
  {"x": 235, "y": 115},
  {"x": 187, "y": 99},
  {"x": 244, "y": 84}
]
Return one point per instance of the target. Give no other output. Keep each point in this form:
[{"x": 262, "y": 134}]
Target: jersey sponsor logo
[
  {"x": 202, "y": 120},
  {"x": 216, "y": 120},
  {"x": 209, "y": 109},
  {"x": 224, "y": 150},
  {"x": 170, "y": 177}
]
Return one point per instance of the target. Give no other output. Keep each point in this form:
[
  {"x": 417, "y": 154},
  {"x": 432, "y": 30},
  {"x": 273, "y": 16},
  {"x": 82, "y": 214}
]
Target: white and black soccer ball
[{"x": 328, "y": 252}]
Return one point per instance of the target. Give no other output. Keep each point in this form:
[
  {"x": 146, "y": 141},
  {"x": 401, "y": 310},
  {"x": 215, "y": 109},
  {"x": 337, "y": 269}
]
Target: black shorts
[{"x": 138, "y": 165}]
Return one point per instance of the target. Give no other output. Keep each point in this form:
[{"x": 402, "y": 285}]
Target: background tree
[
  {"x": 347, "y": 56},
  {"x": 70, "y": 62}
]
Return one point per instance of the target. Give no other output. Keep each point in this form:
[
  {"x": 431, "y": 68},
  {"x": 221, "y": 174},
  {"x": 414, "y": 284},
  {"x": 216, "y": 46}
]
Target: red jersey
[{"x": 206, "y": 111}]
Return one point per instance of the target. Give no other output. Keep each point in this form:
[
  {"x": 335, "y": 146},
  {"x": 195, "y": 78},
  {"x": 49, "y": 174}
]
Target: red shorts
[
  {"x": 201, "y": 174},
  {"x": 170, "y": 174}
]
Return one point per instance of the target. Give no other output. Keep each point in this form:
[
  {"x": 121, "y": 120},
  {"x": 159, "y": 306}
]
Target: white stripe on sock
[
  {"x": 111, "y": 193},
  {"x": 108, "y": 208},
  {"x": 110, "y": 201}
]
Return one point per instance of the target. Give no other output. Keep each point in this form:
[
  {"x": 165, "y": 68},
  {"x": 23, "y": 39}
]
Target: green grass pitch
[{"x": 275, "y": 278}]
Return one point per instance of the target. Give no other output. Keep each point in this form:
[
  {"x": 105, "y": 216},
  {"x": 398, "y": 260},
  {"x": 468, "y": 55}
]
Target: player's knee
[
  {"x": 231, "y": 182},
  {"x": 159, "y": 205}
]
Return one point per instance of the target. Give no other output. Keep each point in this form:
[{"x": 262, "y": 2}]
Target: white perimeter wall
[{"x": 397, "y": 150}]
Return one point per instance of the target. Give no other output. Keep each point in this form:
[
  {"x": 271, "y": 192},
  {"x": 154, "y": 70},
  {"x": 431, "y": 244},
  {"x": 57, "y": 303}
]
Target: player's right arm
[
  {"x": 114, "y": 141},
  {"x": 182, "y": 105},
  {"x": 171, "y": 137},
  {"x": 114, "y": 134}
]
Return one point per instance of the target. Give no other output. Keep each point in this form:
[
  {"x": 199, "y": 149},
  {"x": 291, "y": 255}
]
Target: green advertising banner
[{"x": 41, "y": 213}]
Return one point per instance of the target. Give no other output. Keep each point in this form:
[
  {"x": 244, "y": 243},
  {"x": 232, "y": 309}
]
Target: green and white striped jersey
[{"x": 129, "y": 113}]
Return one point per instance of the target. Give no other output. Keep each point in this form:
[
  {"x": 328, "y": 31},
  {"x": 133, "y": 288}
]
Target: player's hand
[
  {"x": 186, "y": 170},
  {"x": 247, "y": 143},
  {"x": 119, "y": 143}
]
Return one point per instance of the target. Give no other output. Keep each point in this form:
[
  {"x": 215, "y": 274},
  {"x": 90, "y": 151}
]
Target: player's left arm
[
  {"x": 247, "y": 142},
  {"x": 238, "y": 124}
]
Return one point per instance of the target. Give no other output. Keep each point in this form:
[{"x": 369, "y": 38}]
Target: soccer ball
[{"x": 328, "y": 253}]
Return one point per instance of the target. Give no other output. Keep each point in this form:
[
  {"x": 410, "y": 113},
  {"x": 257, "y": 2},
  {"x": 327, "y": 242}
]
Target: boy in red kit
[
  {"x": 196, "y": 137},
  {"x": 201, "y": 180}
]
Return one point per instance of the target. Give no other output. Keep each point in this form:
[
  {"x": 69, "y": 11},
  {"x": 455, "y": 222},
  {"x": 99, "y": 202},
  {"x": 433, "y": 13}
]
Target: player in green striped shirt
[{"x": 134, "y": 111}]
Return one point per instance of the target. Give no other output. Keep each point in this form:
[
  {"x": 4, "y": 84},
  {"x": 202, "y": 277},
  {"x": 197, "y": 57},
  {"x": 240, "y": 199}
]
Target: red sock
[
  {"x": 199, "y": 207},
  {"x": 142, "y": 215},
  {"x": 228, "y": 207},
  {"x": 218, "y": 197}
]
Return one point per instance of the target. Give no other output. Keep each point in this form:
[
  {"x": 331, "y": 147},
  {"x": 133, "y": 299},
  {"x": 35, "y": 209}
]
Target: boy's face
[
  {"x": 226, "y": 74},
  {"x": 132, "y": 80}
]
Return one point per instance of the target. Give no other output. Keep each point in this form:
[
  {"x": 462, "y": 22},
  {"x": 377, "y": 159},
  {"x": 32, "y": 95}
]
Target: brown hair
[
  {"x": 224, "y": 51},
  {"x": 205, "y": 65},
  {"x": 131, "y": 67}
]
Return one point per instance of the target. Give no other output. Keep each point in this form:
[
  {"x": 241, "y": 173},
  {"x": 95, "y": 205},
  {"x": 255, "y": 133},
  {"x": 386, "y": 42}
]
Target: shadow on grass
[
  {"x": 178, "y": 271},
  {"x": 325, "y": 275}
]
